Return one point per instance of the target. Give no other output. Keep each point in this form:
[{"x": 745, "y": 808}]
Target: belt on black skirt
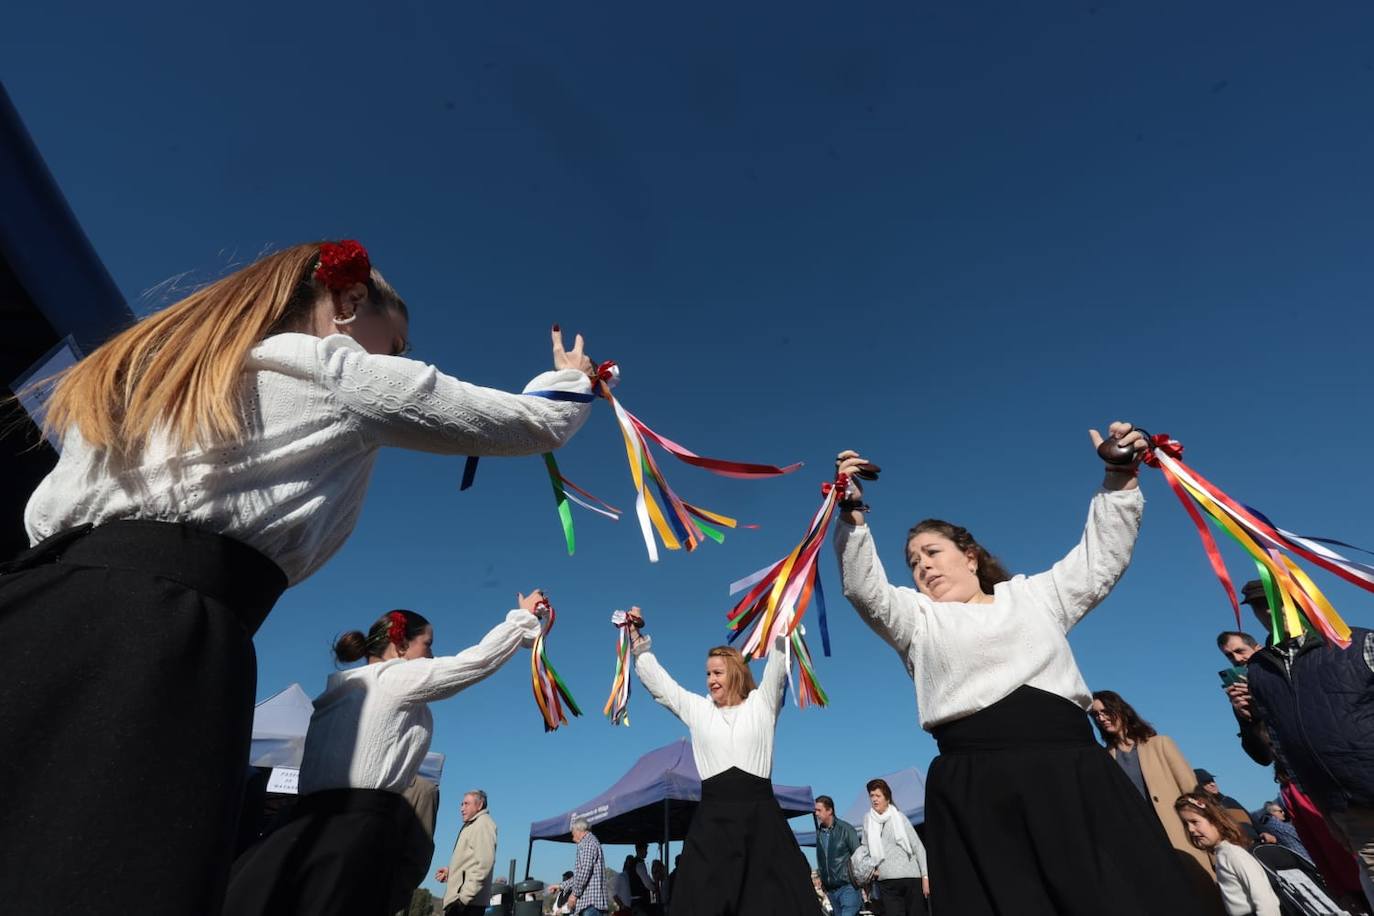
[
  {"x": 215, "y": 565},
  {"x": 1027, "y": 717},
  {"x": 735, "y": 785}
]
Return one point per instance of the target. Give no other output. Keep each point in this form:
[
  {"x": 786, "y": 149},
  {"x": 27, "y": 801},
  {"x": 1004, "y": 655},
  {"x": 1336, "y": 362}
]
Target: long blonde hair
[{"x": 180, "y": 368}]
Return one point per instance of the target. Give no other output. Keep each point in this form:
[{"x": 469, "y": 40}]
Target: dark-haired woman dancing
[
  {"x": 370, "y": 730},
  {"x": 1025, "y": 813}
]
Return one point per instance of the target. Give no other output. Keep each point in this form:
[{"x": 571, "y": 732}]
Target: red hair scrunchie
[
  {"x": 342, "y": 264},
  {"x": 396, "y": 631}
]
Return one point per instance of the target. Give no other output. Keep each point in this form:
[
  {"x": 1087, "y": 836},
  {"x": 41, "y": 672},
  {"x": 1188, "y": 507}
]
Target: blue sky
[{"x": 952, "y": 235}]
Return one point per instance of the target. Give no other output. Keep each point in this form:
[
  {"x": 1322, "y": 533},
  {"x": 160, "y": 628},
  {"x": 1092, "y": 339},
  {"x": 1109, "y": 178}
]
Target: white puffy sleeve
[
  {"x": 895, "y": 614},
  {"x": 687, "y": 706},
  {"x": 409, "y": 404},
  {"x": 424, "y": 680},
  {"x": 1078, "y": 583}
]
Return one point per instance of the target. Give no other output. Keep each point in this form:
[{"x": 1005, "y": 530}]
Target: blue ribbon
[{"x": 578, "y": 397}]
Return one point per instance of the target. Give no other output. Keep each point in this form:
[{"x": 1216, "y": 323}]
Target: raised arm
[
  {"x": 771, "y": 685},
  {"x": 684, "y": 704},
  {"x": 405, "y": 403},
  {"x": 424, "y": 680},
  {"x": 409, "y": 404},
  {"x": 1078, "y": 583},
  {"x": 891, "y": 612}
]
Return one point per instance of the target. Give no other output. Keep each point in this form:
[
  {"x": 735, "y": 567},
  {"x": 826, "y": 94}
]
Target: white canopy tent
[{"x": 279, "y": 726}]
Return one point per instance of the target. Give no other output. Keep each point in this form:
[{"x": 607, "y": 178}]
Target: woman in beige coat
[{"x": 1158, "y": 769}]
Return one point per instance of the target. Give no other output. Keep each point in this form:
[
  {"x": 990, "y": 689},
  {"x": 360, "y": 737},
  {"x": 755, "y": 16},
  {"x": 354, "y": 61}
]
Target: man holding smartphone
[{"x": 1304, "y": 702}]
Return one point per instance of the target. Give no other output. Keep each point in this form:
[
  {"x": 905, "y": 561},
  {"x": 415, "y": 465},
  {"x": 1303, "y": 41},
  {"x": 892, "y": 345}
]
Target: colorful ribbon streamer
[
  {"x": 778, "y": 595},
  {"x": 1295, "y": 601},
  {"x": 562, "y": 496},
  {"x": 677, "y": 522},
  {"x": 550, "y": 693},
  {"x": 682, "y": 524},
  {"x": 618, "y": 703}
]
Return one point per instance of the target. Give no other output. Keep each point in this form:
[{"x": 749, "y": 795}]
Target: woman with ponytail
[
  {"x": 1025, "y": 813},
  {"x": 369, "y": 732},
  {"x": 213, "y": 454}
]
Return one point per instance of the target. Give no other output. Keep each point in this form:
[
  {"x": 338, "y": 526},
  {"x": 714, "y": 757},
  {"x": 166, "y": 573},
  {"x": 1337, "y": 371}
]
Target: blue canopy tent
[
  {"x": 908, "y": 794},
  {"x": 652, "y": 803}
]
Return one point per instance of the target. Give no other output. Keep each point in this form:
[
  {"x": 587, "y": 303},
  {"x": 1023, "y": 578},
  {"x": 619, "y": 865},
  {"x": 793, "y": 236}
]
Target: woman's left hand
[
  {"x": 536, "y": 602},
  {"x": 1122, "y": 477},
  {"x": 1126, "y": 434},
  {"x": 925, "y": 886}
]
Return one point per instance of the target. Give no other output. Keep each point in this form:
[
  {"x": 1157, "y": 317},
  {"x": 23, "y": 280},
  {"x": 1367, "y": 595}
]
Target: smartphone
[{"x": 1231, "y": 676}]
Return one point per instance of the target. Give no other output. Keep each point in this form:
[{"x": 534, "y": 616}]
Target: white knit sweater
[
  {"x": 1244, "y": 886},
  {"x": 372, "y": 726},
  {"x": 722, "y": 736},
  {"x": 965, "y": 657},
  {"x": 317, "y": 410}
]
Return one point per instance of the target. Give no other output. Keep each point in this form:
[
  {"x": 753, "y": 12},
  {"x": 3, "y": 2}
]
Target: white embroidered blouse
[
  {"x": 317, "y": 411},
  {"x": 965, "y": 657}
]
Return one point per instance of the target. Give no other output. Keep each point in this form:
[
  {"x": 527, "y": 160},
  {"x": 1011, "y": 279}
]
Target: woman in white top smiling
[
  {"x": 740, "y": 857},
  {"x": 1025, "y": 813},
  {"x": 370, "y": 730},
  {"x": 213, "y": 454}
]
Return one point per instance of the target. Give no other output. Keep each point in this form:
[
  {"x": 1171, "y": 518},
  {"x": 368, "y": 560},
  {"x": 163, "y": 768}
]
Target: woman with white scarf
[{"x": 898, "y": 857}]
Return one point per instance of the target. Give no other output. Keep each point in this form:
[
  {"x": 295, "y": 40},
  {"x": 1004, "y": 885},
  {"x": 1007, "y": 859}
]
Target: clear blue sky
[{"x": 952, "y": 235}]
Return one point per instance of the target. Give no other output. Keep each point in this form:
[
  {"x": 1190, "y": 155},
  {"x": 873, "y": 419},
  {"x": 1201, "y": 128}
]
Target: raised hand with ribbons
[
  {"x": 678, "y": 523},
  {"x": 777, "y": 596},
  {"x": 1295, "y": 601},
  {"x": 627, "y": 625},
  {"x": 551, "y": 695}
]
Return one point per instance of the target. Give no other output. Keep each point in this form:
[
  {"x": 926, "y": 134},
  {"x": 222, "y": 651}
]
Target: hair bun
[{"x": 351, "y": 646}]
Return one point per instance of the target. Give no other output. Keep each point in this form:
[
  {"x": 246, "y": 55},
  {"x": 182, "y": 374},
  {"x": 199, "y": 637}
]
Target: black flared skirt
[
  {"x": 335, "y": 857},
  {"x": 126, "y": 712},
  {"x": 740, "y": 857},
  {"x": 1027, "y": 816}
]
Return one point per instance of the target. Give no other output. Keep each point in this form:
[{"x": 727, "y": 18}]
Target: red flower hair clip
[
  {"x": 396, "y": 630},
  {"x": 342, "y": 264}
]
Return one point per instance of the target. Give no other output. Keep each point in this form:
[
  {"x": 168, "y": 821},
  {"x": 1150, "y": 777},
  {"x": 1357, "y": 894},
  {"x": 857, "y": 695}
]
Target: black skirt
[
  {"x": 740, "y": 857},
  {"x": 335, "y": 857},
  {"x": 126, "y": 712},
  {"x": 1027, "y": 816}
]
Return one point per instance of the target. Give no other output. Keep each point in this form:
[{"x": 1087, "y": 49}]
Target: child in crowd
[{"x": 1244, "y": 884}]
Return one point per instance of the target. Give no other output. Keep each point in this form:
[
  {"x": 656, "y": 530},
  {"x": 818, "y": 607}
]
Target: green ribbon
[{"x": 561, "y": 498}]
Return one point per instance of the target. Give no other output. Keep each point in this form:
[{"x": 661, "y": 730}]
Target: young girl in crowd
[
  {"x": 1025, "y": 813},
  {"x": 370, "y": 730},
  {"x": 1245, "y": 888},
  {"x": 213, "y": 454},
  {"x": 740, "y": 856}
]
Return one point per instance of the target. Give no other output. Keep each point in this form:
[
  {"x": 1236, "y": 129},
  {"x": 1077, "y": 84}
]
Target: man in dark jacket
[
  {"x": 836, "y": 841},
  {"x": 1316, "y": 702}
]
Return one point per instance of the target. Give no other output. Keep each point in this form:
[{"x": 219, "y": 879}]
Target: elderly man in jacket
[
  {"x": 836, "y": 841},
  {"x": 1314, "y": 699},
  {"x": 474, "y": 855}
]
